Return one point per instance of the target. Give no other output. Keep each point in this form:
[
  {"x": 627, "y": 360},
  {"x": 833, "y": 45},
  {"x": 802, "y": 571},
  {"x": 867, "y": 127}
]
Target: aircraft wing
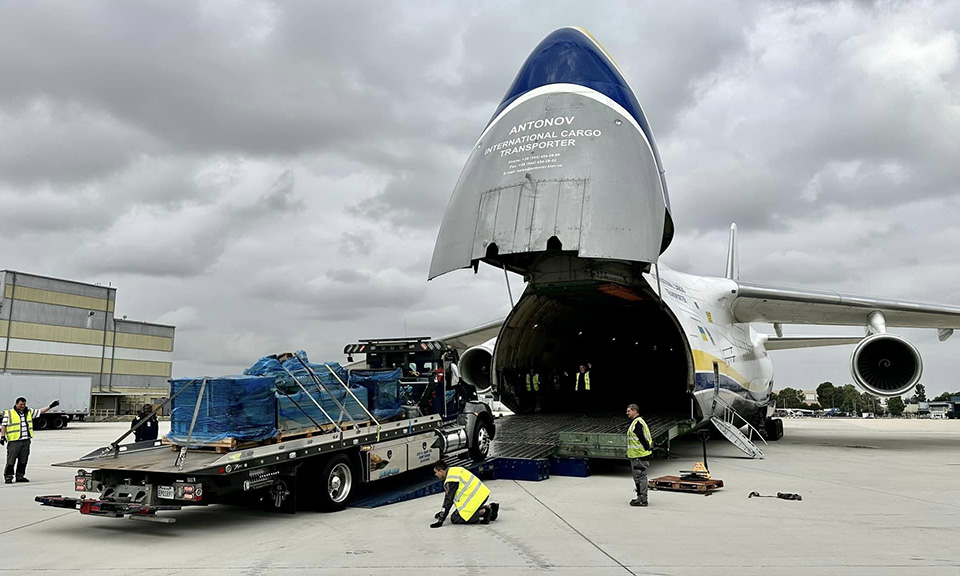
[
  {"x": 794, "y": 342},
  {"x": 775, "y": 304},
  {"x": 474, "y": 336}
]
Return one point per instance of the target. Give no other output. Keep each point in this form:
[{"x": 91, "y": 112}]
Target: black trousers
[
  {"x": 456, "y": 518},
  {"x": 18, "y": 451}
]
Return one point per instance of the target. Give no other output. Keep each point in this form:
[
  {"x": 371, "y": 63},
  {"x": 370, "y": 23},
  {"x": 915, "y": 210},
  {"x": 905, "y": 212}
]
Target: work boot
[
  {"x": 22, "y": 479},
  {"x": 485, "y": 518},
  {"x": 7, "y": 480},
  {"x": 637, "y": 502},
  {"x": 494, "y": 511}
]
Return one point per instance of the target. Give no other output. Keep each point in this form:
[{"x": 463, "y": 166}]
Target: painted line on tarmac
[
  {"x": 582, "y": 535},
  {"x": 35, "y": 523}
]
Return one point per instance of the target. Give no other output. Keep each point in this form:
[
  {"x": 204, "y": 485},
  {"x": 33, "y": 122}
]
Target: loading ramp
[{"x": 532, "y": 447}]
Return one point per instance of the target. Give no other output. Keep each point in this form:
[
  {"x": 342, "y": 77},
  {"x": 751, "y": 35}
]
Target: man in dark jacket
[{"x": 149, "y": 430}]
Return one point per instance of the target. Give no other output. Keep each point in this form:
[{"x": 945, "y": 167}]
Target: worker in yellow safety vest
[
  {"x": 463, "y": 490},
  {"x": 533, "y": 389},
  {"x": 581, "y": 389},
  {"x": 639, "y": 450},
  {"x": 16, "y": 430}
]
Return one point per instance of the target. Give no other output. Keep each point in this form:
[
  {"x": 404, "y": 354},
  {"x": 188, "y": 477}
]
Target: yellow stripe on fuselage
[{"x": 703, "y": 362}]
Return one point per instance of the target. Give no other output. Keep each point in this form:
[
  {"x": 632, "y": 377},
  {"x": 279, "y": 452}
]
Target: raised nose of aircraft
[{"x": 567, "y": 162}]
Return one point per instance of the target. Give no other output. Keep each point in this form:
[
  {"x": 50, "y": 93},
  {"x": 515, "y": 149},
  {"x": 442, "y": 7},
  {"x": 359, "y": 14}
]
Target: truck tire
[
  {"x": 66, "y": 420},
  {"x": 42, "y": 423},
  {"x": 482, "y": 435},
  {"x": 58, "y": 422},
  {"x": 335, "y": 483}
]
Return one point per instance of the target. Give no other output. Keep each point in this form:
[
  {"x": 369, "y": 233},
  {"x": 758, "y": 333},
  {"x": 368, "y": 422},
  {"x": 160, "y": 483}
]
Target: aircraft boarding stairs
[{"x": 728, "y": 422}]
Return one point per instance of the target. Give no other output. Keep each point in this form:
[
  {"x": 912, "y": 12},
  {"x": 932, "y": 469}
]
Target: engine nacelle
[
  {"x": 886, "y": 365},
  {"x": 476, "y": 364}
]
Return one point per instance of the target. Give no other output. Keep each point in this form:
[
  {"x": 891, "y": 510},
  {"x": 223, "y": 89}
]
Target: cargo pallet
[{"x": 678, "y": 484}]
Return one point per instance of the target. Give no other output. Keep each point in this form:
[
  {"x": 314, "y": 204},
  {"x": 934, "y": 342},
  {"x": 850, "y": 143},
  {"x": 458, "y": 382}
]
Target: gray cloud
[{"x": 271, "y": 176}]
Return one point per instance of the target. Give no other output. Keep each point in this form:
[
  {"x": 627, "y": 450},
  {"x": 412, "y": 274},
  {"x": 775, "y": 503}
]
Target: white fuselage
[{"x": 718, "y": 344}]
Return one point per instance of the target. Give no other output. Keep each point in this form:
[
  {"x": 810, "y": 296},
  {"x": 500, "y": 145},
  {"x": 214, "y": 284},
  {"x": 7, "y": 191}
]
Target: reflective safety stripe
[
  {"x": 634, "y": 446},
  {"x": 471, "y": 494},
  {"x": 535, "y": 382},
  {"x": 586, "y": 381},
  {"x": 14, "y": 424}
]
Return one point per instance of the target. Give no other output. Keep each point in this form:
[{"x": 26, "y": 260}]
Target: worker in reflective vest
[
  {"x": 639, "y": 450},
  {"x": 463, "y": 490},
  {"x": 16, "y": 430},
  {"x": 533, "y": 389},
  {"x": 581, "y": 389}
]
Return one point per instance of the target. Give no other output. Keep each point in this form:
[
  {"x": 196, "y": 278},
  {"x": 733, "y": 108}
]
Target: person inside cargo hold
[
  {"x": 461, "y": 488},
  {"x": 581, "y": 389},
  {"x": 16, "y": 430},
  {"x": 149, "y": 429}
]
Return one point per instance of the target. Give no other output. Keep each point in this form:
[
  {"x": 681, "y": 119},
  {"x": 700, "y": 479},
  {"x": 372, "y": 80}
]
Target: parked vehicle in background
[{"x": 72, "y": 391}]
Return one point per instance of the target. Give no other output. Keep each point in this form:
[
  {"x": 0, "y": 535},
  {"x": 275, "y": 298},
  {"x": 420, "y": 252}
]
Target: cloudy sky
[{"x": 269, "y": 176}]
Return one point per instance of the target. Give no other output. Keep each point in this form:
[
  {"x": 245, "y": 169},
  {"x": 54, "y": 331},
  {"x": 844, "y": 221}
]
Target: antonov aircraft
[{"x": 565, "y": 187}]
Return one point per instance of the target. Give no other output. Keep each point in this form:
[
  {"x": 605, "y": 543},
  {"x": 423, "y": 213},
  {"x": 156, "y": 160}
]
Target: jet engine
[
  {"x": 886, "y": 365},
  {"x": 475, "y": 365}
]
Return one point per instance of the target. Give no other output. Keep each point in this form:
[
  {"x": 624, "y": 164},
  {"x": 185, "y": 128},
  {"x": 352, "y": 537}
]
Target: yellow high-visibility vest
[
  {"x": 471, "y": 493},
  {"x": 586, "y": 381},
  {"x": 13, "y": 424},
  {"x": 534, "y": 381},
  {"x": 634, "y": 447}
]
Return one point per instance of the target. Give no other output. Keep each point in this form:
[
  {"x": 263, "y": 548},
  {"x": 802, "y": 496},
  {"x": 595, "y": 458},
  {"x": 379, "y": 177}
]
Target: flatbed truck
[{"x": 319, "y": 472}]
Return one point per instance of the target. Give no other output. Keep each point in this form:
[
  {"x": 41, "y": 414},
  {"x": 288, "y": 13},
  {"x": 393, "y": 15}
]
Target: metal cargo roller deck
[{"x": 546, "y": 435}]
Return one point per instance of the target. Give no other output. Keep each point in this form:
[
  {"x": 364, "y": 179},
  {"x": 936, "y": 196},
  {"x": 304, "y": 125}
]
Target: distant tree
[
  {"x": 896, "y": 406},
  {"x": 826, "y": 393},
  {"x": 814, "y": 406},
  {"x": 946, "y": 396},
  {"x": 921, "y": 393},
  {"x": 790, "y": 398},
  {"x": 849, "y": 399}
]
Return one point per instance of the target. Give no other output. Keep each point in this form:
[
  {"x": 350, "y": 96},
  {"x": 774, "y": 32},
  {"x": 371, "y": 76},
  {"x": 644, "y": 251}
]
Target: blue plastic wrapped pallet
[
  {"x": 330, "y": 373},
  {"x": 383, "y": 391},
  {"x": 241, "y": 408},
  {"x": 292, "y": 419}
]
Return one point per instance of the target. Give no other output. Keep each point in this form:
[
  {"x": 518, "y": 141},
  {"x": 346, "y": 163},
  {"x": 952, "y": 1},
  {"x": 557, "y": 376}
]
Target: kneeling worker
[
  {"x": 465, "y": 491},
  {"x": 639, "y": 450}
]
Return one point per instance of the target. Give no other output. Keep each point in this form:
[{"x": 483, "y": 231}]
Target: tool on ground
[{"x": 781, "y": 495}]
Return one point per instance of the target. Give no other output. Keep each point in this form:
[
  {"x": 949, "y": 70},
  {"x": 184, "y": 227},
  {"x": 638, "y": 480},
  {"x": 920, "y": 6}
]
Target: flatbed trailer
[{"x": 319, "y": 472}]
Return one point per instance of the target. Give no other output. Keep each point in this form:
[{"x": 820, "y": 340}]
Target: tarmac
[{"x": 879, "y": 497}]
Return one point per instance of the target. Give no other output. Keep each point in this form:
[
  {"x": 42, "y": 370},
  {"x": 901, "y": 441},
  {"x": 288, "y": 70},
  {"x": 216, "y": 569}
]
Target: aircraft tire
[{"x": 774, "y": 429}]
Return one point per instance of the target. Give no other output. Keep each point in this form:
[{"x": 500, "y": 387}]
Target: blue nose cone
[{"x": 571, "y": 56}]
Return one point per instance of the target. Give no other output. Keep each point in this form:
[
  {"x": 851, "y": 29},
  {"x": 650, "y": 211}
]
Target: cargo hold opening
[{"x": 637, "y": 351}]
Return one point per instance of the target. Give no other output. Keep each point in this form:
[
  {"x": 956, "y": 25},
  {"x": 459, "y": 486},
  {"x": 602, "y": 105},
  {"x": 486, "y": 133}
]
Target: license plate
[{"x": 165, "y": 492}]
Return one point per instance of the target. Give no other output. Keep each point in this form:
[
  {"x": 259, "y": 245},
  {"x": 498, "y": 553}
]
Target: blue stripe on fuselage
[{"x": 704, "y": 381}]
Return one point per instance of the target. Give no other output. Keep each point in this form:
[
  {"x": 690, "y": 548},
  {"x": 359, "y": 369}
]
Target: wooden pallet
[
  {"x": 231, "y": 444},
  {"x": 311, "y": 432},
  {"x": 678, "y": 484}
]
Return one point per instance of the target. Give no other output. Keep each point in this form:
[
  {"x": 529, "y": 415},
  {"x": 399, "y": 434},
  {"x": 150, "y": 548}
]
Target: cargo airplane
[{"x": 565, "y": 187}]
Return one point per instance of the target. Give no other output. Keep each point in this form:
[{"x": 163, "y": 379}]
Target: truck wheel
[
  {"x": 58, "y": 422},
  {"x": 65, "y": 420},
  {"x": 482, "y": 436},
  {"x": 335, "y": 483},
  {"x": 774, "y": 429},
  {"x": 42, "y": 423}
]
